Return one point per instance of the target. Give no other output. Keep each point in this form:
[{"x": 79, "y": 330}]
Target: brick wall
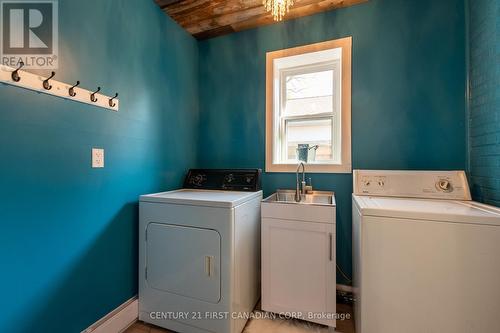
[{"x": 484, "y": 112}]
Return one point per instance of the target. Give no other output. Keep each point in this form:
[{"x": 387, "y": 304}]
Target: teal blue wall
[
  {"x": 408, "y": 93},
  {"x": 68, "y": 233},
  {"x": 484, "y": 112}
]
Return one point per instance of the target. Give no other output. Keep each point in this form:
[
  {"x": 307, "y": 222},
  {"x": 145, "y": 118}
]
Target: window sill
[{"x": 310, "y": 168}]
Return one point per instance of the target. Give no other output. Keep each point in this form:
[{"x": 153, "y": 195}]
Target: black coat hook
[
  {"x": 92, "y": 96},
  {"x": 71, "y": 90},
  {"x": 15, "y": 74},
  {"x": 111, "y": 101},
  {"x": 46, "y": 84}
]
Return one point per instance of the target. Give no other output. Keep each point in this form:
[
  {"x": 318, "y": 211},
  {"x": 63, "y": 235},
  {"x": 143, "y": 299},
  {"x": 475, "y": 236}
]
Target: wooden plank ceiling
[{"x": 210, "y": 18}]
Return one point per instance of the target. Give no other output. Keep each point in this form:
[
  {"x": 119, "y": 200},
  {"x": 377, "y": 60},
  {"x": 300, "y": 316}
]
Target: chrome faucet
[{"x": 300, "y": 188}]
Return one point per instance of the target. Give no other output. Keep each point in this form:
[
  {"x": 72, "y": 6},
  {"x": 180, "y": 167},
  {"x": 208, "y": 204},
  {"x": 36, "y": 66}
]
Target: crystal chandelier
[{"x": 278, "y": 7}]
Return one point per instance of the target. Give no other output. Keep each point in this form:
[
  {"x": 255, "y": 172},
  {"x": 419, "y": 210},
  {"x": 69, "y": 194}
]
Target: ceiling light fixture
[{"x": 278, "y": 7}]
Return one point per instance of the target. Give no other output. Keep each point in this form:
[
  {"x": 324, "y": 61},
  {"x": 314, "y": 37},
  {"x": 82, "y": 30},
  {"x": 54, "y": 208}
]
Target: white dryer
[
  {"x": 426, "y": 258},
  {"x": 199, "y": 251}
]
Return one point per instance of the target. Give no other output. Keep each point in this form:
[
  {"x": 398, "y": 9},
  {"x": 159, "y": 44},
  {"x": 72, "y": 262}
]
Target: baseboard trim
[
  {"x": 345, "y": 288},
  {"x": 117, "y": 320}
]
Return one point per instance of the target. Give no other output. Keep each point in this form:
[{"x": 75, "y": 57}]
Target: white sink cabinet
[{"x": 298, "y": 257}]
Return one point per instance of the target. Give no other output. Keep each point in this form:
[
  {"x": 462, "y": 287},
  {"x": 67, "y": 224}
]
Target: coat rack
[{"x": 46, "y": 85}]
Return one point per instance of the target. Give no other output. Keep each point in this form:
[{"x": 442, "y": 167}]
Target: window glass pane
[
  {"x": 309, "y": 84},
  {"x": 312, "y": 132},
  {"x": 309, "y": 93},
  {"x": 309, "y": 106}
]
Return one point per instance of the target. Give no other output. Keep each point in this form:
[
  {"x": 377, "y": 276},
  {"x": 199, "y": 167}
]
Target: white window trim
[{"x": 345, "y": 165}]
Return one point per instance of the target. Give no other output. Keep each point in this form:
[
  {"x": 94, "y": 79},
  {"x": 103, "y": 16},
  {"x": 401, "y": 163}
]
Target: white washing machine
[
  {"x": 199, "y": 250},
  {"x": 426, "y": 258}
]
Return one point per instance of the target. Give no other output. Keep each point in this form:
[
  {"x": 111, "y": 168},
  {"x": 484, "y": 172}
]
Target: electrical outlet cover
[{"x": 97, "y": 158}]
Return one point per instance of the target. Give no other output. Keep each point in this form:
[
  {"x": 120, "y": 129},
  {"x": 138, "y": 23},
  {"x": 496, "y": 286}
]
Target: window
[{"x": 308, "y": 104}]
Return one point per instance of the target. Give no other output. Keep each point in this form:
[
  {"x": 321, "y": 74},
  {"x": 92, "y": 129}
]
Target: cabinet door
[
  {"x": 184, "y": 261},
  {"x": 298, "y": 268}
]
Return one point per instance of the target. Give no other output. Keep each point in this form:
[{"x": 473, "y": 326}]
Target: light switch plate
[{"x": 97, "y": 158}]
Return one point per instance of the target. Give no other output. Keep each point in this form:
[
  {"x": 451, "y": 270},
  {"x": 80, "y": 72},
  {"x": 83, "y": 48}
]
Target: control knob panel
[
  {"x": 415, "y": 184},
  {"x": 224, "y": 179}
]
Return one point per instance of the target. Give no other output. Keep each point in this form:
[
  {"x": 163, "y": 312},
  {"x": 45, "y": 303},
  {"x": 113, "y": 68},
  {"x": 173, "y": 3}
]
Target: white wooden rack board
[{"x": 35, "y": 82}]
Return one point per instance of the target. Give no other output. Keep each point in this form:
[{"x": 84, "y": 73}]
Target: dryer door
[{"x": 184, "y": 261}]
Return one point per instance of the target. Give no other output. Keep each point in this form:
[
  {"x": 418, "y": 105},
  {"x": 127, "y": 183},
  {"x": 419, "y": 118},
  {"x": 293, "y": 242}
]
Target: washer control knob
[{"x": 444, "y": 185}]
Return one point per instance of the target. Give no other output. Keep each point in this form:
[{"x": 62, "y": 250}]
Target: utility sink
[
  {"x": 311, "y": 198},
  {"x": 316, "y": 206},
  {"x": 298, "y": 255}
]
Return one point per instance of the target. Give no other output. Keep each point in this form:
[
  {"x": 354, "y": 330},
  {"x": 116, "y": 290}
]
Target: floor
[{"x": 270, "y": 326}]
